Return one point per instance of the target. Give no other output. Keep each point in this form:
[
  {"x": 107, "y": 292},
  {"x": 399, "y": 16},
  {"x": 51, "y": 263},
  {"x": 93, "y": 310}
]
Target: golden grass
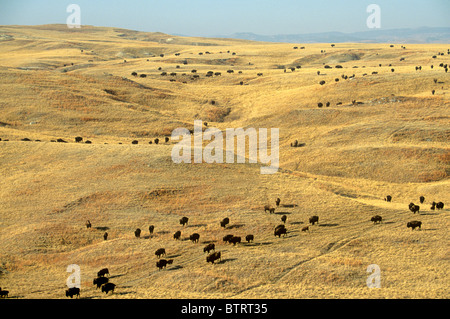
[{"x": 395, "y": 142}]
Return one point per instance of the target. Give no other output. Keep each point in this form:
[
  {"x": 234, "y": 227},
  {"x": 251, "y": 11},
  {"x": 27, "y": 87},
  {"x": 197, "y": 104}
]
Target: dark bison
[
  {"x": 109, "y": 286},
  {"x": 209, "y": 247},
  {"x": 88, "y": 224},
  {"x": 388, "y": 198},
  {"x": 213, "y": 257},
  {"x": 277, "y": 202},
  {"x": 99, "y": 281},
  {"x": 74, "y": 291},
  {"x": 234, "y": 240},
  {"x": 4, "y": 293},
  {"x": 151, "y": 228},
  {"x": 105, "y": 236},
  {"x": 306, "y": 228},
  {"x": 414, "y": 208},
  {"x": 177, "y": 235},
  {"x": 103, "y": 272},
  {"x": 134, "y": 142},
  {"x": 280, "y": 230},
  {"x": 249, "y": 238},
  {"x": 137, "y": 233},
  {"x": 322, "y": 82},
  {"x": 163, "y": 263},
  {"x": 227, "y": 238},
  {"x": 413, "y": 224},
  {"x": 440, "y": 205},
  {"x": 376, "y": 219},
  {"x": 159, "y": 252},
  {"x": 78, "y": 139},
  {"x": 422, "y": 199},
  {"x": 225, "y": 222},
  {"x": 194, "y": 237},
  {"x": 283, "y": 218},
  {"x": 314, "y": 219},
  {"x": 184, "y": 221}
]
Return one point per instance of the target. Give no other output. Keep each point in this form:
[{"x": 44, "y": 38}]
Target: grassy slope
[{"x": 395, "y": 143}]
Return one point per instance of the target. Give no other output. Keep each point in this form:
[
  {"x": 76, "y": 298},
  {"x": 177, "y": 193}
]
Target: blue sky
[{"x": 225, "y": 17}]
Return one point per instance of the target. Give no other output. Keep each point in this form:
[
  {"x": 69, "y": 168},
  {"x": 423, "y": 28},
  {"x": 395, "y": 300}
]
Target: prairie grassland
[{"x": 62, "y": 83}]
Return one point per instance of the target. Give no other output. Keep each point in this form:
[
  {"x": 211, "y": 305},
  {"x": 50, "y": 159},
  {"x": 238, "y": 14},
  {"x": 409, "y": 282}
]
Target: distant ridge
[{"x": 418, "y": 35}]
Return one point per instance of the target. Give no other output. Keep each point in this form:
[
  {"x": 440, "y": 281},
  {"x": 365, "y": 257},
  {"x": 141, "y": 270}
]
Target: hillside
[{"x": 383, "y": 133}]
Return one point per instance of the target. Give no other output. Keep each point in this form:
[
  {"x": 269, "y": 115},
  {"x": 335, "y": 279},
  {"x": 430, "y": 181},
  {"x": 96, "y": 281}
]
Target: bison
[
  {"x": 209, "y": 247},
  {"x": 194, "y": 237},
  {"x": 277, "y": 202},
  {"x": 388, "y": 198},
  {"x": 440, "y": 205},
  {"x": 280, "y": 230},
  {"x": 184, "y": 221},
  {"x": 227, "y": 238},
  {"x": 105, "y": 236},
  {"x": 413, "y": 224},
  {"x": 137, "y": 233},
  {"x": 103, "y": 272},
  {"x": 249, "y": 238},
  {"x": 306, "y": 228},
  {"x": 99, "y": 281},
  {"x": 74, "y": 291},
  {"x": 422, "y": 199},
  {"x": 4, "y": 293},
  {"x": 234, "y": 240},
  {"x": 78, "y": 139},
  {"x": 151, "y": 228},
  {"x": 163, "y": 263},
  {"x": 88, "y": 224},
  {"x": 213, "y": 257},
  {"x": 225, "y": 222},
  {"x": 269, "y": 208},
  {"x": 376, "y": 219},
  {"x": 159, "y": 252},
  {"x": 177, "y": 235},
  {"x": 314, "y": 219},
  {"x": 109, "y": 286},
  {"x": 414, "y": 208},
  {"x": 283, "y": 218}
]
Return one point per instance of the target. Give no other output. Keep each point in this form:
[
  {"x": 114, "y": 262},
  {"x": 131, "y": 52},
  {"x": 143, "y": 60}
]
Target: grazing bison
[
  {"x": 414, "y": 224},
  {"x": 322, "y": 82},
  {"x": 105, "y": 236},
  {"x": 280, "y": 230},
  {"x": 249, "y": 238},
  {"x": 440, "y": 205},
  {"x": 184, "y": 221},
  {"x": 376, "y": 219},
  {"x": 209, "y": 247},
  {"x": 194, "y": 237},
  {"x": 134, "y": 142},
  {"x": 177, "y": 235},
  {"x": 151, "y": 228},
  {"x": 234, "y": 240},
  {"x": 269, "y": 208},
  {"x": 159, "y": 252},
  {"x": 225, "y": 222},
  {"x": 388, "y": 198},
  {"x": 306, "y": 228},
  {"x": 227, "y": 238},
  {"x": 99, "y": 281},
  {"x": 109, "y": 286},
  {"x": 78, "y": 139},
  {"x": 163, "y": 263},
  {"x": 422, "y": 199},
  {"x": 414, "y": 208},
  {"x": 60, "y": 140},
  {"x": 103, "y": 272},
  {"x": 213, "y": 257},
  {"x": 283, "y": 218},
  {"x": 433, "y": 206},
  {"x": 74, "y": 291},
  {"x": 314, "y": 219},
  {"x": 137, "y": 233},
  {"x": 88, "y": 224}
]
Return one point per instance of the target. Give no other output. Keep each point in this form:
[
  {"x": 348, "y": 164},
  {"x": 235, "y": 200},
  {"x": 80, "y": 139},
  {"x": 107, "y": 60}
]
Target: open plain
[{"x": 383, "y": 129}]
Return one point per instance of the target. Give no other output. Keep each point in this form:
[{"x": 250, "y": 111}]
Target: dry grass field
[{"x": 57, "y": 82}]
